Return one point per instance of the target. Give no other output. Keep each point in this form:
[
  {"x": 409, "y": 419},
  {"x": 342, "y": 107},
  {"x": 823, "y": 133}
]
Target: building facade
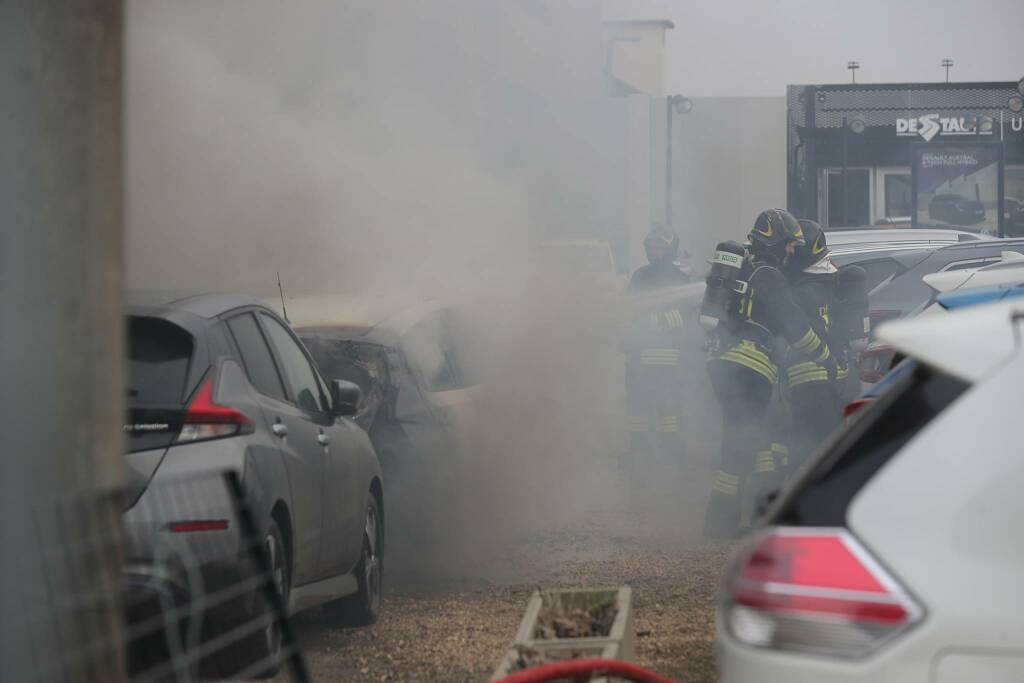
[{"x": 928, "y": 154}]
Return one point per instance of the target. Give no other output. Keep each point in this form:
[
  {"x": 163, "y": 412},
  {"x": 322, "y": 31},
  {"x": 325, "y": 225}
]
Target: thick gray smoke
[
  {"x": 404, "y": 151},
  {"x": 306, "y": 139}
]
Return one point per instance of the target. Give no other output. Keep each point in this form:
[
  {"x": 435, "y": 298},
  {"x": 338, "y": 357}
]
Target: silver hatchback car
[{"x": 220, "y": 383}]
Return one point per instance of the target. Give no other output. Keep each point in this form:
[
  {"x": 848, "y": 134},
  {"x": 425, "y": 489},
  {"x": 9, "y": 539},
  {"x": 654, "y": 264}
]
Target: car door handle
[
  {"x": 323, "y": 439},
  {"x": 279, "y": 429}
]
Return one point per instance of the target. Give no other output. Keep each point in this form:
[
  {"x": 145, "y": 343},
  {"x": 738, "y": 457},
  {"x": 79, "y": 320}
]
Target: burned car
[{"x": 411, "y": 364}]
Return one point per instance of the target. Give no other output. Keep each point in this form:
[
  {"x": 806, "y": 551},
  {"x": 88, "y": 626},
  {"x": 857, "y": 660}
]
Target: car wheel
[
  {"x": 260, "y": 655},
  {"x": 270, "y": 639},
  {"x": 363, "y": 607}
]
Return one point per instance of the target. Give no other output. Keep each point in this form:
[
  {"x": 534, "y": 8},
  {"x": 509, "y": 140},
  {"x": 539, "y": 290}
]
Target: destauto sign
[{"x": 931, "y": 125}]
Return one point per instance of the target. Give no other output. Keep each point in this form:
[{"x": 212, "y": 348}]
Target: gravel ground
[
  {"x": 457, "y": 628},
  {"x": 459, "y": 635}
]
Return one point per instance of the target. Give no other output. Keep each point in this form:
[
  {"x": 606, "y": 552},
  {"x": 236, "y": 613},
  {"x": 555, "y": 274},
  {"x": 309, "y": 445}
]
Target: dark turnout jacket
[{"x": 767, "y": 309}]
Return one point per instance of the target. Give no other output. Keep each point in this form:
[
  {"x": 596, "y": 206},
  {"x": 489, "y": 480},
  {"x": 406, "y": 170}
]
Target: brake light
[
  {"x": 854, "y": 406},
  {"x": 875, "y": 362},
  {"x": 814, "y": 590},
  {"x": 206, "y": 420}
]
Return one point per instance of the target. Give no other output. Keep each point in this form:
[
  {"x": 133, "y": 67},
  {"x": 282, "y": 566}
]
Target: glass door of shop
[
  {"x": 893, "y": 197},
  {"x": 856, "y": 209}
]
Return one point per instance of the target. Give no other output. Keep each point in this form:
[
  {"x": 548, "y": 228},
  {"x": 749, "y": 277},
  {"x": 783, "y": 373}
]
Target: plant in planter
[
  {"x": 571, "y": 624},
  {"x": 575, "y": 615}
]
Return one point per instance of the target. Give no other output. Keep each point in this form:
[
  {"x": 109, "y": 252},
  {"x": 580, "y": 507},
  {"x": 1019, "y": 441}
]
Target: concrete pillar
[{"x": 60, "y": 338}]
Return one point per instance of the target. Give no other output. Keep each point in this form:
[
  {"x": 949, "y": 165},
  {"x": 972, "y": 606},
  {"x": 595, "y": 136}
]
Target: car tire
[
  {"x": 363, "y": 607},
  {"x": 260, "y": 654}
]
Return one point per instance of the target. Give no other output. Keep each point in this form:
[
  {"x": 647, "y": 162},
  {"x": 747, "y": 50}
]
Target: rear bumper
[
  {"x": 202, "y": 570},
  {"x": 740, "y": 663},
  {"x": 168, "y": 618},
  {"x": 222, "y": 591},
  {"x": 743, "y": 664},
  {"x": 149, "y": 589}
]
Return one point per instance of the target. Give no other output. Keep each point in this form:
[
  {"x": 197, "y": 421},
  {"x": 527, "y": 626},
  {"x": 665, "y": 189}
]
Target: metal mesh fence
[
  {"x": 195, "y": 598},
  {"x": 64, "y": 625}
]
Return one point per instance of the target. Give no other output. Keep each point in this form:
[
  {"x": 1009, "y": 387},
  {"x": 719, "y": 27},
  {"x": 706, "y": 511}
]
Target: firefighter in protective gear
[
  {"x": 662, "y": 248},
  {"x": 812, "y": 387},
  {"x": 654, "y": 349},
  {"x": 743, "y": 367}
]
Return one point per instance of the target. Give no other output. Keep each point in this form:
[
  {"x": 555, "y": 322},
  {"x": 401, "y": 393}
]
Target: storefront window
[
  {"x": 1013, "y": 202},
  {"x": 855, "y": 208},
  {"x": 898, "y": 199},
  {"x": 958, "y": 186}
]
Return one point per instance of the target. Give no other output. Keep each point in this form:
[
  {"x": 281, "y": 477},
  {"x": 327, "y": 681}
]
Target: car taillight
[
  {"x": 814, "y": 590},
  {"x": 854, "y": 406},
  {"x": 875, "y": 362},
  {"x": 206, "y": 420}
]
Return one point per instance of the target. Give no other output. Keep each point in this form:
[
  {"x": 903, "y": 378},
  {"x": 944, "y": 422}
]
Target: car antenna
[{"x": 281, "y": 290}]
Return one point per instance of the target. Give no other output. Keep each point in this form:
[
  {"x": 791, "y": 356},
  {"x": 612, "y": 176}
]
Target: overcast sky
[{"x": 757, "y": 47}]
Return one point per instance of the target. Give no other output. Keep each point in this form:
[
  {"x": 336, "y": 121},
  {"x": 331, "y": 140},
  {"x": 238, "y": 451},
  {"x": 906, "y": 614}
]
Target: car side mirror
[{"x": 345, "y": 397}]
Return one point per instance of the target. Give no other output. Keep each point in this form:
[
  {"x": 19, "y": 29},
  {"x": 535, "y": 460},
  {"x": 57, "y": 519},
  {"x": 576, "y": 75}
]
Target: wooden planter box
[{"x": 618, "y": 644}]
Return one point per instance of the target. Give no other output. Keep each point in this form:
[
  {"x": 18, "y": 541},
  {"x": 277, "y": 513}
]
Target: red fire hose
[{"x": 583, "y": 667}]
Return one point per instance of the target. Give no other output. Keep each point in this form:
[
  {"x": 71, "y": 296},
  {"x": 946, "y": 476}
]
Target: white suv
[
  {"x": 1008, "y": 270},
  {"x": 899, "y": 555}
]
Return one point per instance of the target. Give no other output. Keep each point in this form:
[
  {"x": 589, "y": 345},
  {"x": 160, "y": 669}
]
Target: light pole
[
  {"x": 682, "y": 105},
  {"x": 947, "y": 63},
  {"x": 853, "y": 66}
]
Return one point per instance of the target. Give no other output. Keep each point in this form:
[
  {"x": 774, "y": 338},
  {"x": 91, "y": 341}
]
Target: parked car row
[
  {"x": 314, "y": 408},
  {"x": 908, "y": 292},
  {"x": 900, "y": 268},
  {"x": 876, "y": 360},
  {"x": 883, "y": 365}
]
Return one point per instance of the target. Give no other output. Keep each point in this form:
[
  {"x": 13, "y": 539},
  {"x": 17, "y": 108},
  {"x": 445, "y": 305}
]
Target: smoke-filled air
[
  {"x": 385, "y": 155},
  {"x": 512, "y": 340}
]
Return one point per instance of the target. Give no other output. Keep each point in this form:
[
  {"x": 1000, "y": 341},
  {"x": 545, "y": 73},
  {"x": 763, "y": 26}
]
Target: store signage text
[
  {"x": 930, "y": 125},
  {"x": 947, "y": 160}
]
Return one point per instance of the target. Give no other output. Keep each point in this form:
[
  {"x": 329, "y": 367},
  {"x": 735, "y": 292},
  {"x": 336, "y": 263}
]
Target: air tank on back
[{"x": 726, "y": 263}]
